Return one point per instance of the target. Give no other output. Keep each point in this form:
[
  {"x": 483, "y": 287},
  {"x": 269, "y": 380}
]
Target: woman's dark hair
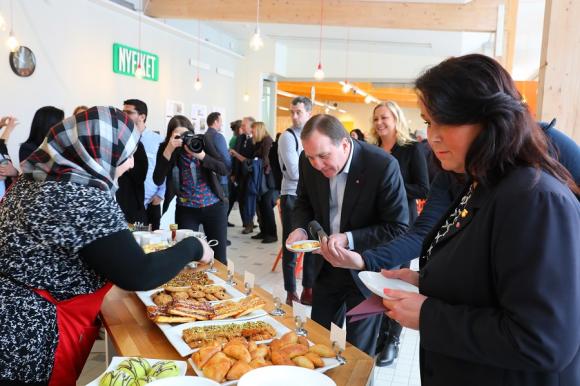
[
  {"x": 174, "y": 123},
  {"x": 235, "y": 126},
  {"x": 44, "y": 118},
  {"x": 359, "y": 134},
  {"x": 476, "y": 89},
  {"x": 327, "y": 125}
]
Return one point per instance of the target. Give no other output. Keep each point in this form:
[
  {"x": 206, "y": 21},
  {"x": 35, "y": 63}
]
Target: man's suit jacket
[
  {"x": 374, "y": 207},
  {"x": 131, "y": 193},
  {"x": 503, "y": 289}
]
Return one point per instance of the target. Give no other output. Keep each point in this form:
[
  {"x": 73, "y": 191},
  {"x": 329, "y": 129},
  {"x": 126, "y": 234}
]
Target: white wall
[{"x": 72, "y": 41}]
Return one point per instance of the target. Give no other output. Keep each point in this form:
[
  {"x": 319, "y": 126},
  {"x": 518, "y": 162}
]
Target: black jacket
[
  {"x": 131, "y": 193},
  {"x": 374, "y": 207},
  {"x": 213, "y": 166},
  {"x": 503, "y": 289}
]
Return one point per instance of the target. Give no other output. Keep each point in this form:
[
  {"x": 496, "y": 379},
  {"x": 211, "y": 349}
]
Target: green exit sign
[{"x": 126, "y": 59}]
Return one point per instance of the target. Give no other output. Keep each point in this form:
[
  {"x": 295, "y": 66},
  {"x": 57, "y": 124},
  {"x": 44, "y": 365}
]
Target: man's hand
[
  {"x": 298, "y": 234},
  {"x": 200, "y": 156},
  {"x": 9, "y": 123},
  {"x": 338, "y": 256}
]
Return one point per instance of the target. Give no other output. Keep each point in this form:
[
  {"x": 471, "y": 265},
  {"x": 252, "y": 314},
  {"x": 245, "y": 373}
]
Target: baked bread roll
[
  {"x": 294, "y": 350},
  {"x": 315, "y": 359},
  {"x": 217, "y": 367},
  {"x": 302, "y": 361},
  {"x": 260, "y": 352},
  {"x": 322, "y": 350},
  {"x": 289, "y": 337},
  {"x": 238, "y": 351},
  {"x": 303, "y": 341},
  {"x": 237, "y": 370},
  {"x": 204, "y": 354},
  {"x": 281, "y": 359},
  {"x": 259, "y": 362}
]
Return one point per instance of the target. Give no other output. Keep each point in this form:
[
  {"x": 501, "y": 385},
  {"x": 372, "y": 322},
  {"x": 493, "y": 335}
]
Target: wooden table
[{"x": 131, "y": 333}]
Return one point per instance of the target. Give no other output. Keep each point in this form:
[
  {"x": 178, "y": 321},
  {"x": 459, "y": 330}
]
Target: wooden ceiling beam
[{"x": 475, "y": 16}]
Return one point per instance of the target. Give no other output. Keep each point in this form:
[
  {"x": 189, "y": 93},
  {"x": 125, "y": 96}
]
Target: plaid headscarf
[{"x": 85, "y": 149}]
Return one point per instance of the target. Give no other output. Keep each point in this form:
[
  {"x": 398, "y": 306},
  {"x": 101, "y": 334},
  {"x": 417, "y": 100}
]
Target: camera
[{"x": 193, "y": 142}]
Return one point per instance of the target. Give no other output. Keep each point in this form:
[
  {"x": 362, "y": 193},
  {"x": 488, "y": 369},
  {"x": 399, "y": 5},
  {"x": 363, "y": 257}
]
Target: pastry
[
  {"x": 315, "y": 359},
  {"x": 237, "y": 370},
  {"x": 204, "y": 354},
  {"x": 302, "y": 361},
  {"x": 116, "y": 378},
  {"x": 162, "y": 299},
  {"x": 303, "y": 341},
  {"x": 259, "y": 362},
  {"x": 217, "y": 367},
  {"x": 164, "y": 369},
  {"x": 238, "y": 352},
  {"x": 260, "y": 352},
  {"x": 294, "y": 350},
  {"x": 322, "y": 350},
  {"x": 135, "y": 367},
  {"x": 289, "y": 337},
  {"x": 280, "y": 359}
]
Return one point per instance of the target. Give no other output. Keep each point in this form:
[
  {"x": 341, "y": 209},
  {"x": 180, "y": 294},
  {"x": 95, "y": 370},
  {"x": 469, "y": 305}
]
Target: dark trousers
[
  {"x": 214, "y": 221},
  {"x": 266, "y": 217},
  {"x": 287, "y": 203},
  {"x": 153, "y": 213},
  {"x": 334, "y": 294},
  {"x": 232, "y": 196}
]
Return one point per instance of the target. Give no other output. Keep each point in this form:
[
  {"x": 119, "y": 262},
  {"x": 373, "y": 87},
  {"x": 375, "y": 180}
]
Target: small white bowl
[
  {"x": 284, "y": 376},
  {"x": 184, "y": 381}
]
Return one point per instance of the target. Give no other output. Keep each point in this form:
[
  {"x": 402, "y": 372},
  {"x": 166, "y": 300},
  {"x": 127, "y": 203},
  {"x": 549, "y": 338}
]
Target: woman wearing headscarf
[
  {"x": 64, "y": 242},
  {"x": 499, "y": 285}
]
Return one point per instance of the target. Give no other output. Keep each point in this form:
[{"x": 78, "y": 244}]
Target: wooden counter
[{"x": 132, "y": 334}]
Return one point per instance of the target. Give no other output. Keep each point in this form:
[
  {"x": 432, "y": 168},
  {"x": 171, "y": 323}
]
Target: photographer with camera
[{"x": 191, "y": 165}]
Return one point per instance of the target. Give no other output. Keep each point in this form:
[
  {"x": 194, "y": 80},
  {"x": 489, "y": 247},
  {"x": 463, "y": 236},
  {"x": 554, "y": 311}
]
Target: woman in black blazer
[
  {"x": 499, "y": 300},
  {"x": 194, "y": 179},
  {"x": 391, "y": 129}
]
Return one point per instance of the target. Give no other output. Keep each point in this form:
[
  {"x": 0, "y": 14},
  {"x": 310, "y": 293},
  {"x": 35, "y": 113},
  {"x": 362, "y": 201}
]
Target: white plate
[
  {"x": 293, "y": 247},
  {"x": 329, "y": 363},
  {"x": 184, "y": 381},
  {"x": 115, "y": 361},
  {"x": 174, "y": 334},
  {"x": 377, "y": 282},
  {"x": 285, "y": 376}
]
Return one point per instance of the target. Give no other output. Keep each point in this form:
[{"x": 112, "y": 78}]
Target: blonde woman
[
  {"x": 391, "y": 131},
  {"x": 266, "y": 195}
]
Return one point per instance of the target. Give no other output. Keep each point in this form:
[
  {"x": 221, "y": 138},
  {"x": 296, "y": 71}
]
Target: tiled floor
[{"x": 258, "y": 258}]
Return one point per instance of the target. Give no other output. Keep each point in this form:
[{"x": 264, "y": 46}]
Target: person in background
[
  {"x": 356, "y": 193},
  {"x": 261, "y": 178},
  {"x": 194, "y": 179},
  {"x": 498, "y": 299},
  {"x": 131, "y": 193},
  {"x": 432, "y": 165},
  {"x": 289, "y": 150},
  {"x": 64, "y": 242},
  {"x": 80, "y": 109},
  {"x": 153, "y": 194},
  {"x": 214, "y": 128},
  {"x": 563, "y": 148},
  {"x": 233, "y": 185},
  {"x": 7, "y": 169},
  {"x": 357, "y": 134},
  {"x": 245, "y": 148},
  {"x": 44, "y": 118}
]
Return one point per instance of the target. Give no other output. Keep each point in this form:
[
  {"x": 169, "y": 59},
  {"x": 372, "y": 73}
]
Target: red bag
[{"x": 77, "y": 330}]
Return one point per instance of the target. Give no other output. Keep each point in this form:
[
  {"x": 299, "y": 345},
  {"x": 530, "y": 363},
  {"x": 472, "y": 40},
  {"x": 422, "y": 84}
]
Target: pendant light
[
  {"x": 256, "y": 42},
  {"x": 139, "y": 72},
  {"x": 346, "y": 86},
  {"x": 198, "y": 85},
  {"x": 12, "y": 42},
  {"x": 319, "y": 73}
]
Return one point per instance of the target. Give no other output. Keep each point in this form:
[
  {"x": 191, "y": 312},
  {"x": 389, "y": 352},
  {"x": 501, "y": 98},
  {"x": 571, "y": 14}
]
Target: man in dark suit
[
  {"x": 131, "y": 193},
  {"x": 356, "y": 192}
]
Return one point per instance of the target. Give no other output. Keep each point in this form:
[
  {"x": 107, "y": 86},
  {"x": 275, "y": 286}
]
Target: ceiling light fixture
[
  {"x": 12, "y": 42},
  {"x": 246, "y": 96},
  {"x": 198, "y": 85},
  {"x": 256, "y": 41},
  {"x": 319, "y": 73},
  {"x": 139, "y": 72},
  {"x": 346, "y": 86}
]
